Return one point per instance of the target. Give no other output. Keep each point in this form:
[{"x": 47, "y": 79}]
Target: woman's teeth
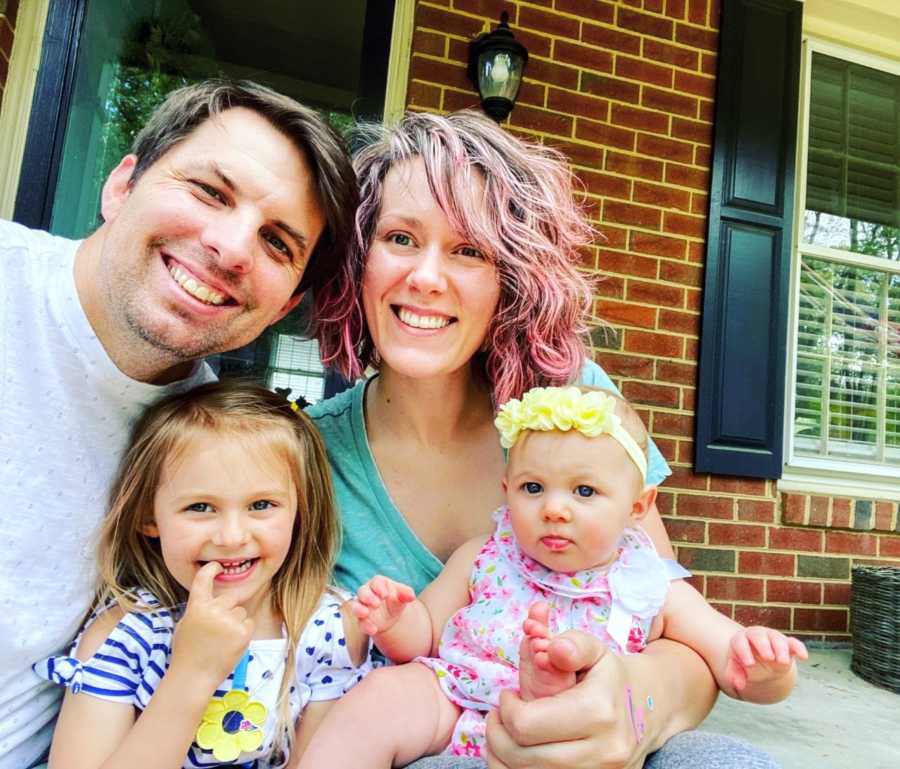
[
  {"x": 196, "y": 289},
  {"x": 423, "y": 321}
]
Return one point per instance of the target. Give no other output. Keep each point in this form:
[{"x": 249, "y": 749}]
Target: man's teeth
[
  {"x": 423, "y": 321},
  {"x": 238, "y": 567},
  {"x": 194, "y": 288}
]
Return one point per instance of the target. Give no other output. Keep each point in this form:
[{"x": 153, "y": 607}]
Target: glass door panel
[{"x": 131, "y": 53}]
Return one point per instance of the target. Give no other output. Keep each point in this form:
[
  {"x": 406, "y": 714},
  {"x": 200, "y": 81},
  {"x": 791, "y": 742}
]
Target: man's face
[{"x": 206, "y": 249}]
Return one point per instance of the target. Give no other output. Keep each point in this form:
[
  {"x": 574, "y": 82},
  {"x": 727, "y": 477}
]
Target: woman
[{"x": 462, "y": 291}]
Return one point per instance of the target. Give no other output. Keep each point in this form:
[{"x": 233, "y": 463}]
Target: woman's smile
[
  {"x": 422, "y": 319},
  {"x": 429, "y": 293}
]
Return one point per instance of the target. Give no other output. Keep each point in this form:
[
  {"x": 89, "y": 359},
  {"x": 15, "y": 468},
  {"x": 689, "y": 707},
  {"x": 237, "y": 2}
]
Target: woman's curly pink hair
[{"x": 527, "y": 222}]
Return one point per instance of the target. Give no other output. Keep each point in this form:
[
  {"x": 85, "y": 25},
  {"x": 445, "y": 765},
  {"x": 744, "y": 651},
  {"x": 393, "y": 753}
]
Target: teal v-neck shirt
[{"x": 375, "y": 536}]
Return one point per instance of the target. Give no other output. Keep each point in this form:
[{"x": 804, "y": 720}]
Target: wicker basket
[{"x": 875, "y": 625}]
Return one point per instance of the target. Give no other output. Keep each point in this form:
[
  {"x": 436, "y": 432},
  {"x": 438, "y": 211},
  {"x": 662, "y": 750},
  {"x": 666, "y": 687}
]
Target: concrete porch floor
[{"x": 832, "y": 720}]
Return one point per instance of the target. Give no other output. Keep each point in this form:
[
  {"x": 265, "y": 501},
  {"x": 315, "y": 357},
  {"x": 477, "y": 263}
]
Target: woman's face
[{"x": 429, "y": 293}]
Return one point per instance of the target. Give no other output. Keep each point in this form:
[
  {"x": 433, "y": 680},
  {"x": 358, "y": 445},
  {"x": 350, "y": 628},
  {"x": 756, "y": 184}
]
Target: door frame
[{"x": 36, "y": 171}]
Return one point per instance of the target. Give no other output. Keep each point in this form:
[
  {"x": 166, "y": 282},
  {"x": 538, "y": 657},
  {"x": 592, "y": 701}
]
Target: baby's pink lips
[{"x": 555, "y": 543}]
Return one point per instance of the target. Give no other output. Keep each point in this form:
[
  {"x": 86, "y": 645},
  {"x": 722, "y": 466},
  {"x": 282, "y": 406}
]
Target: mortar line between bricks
[
  {"x": 666, "y": 185},
  {"x": 636, "y": 228},
  {"x": 611, "y": 99}
]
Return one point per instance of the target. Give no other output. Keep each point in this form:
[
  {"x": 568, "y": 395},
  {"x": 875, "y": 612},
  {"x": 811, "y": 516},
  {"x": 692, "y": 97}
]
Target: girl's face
[
  {"x": 570, "y": 498},
  {"x": 429, "y": 293},
  {"x": 225, "y": 500}
]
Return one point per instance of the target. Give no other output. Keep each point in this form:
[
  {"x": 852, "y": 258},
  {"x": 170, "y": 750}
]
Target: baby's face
[{"x": 570, "y": 498}]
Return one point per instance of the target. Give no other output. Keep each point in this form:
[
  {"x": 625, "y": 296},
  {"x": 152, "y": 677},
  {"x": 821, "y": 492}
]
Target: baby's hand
[
  {"x": 379, "y": 604},
  {"x": 214, "y": 632},
  {"x": 759, "y": 655}
]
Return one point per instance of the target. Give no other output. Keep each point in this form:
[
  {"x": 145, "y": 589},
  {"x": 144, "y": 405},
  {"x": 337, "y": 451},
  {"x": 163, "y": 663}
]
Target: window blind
[
  {"x": 853, "y": 163},
  {"x": 294, "y": 363},
  {"x": 848, "y": 363}
]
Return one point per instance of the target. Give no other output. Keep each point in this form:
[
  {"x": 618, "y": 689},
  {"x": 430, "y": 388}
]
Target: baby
[{"x": 567, "y": 552}]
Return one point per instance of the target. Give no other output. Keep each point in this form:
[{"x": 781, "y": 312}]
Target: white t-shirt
[{"x": 65, "y": 412}]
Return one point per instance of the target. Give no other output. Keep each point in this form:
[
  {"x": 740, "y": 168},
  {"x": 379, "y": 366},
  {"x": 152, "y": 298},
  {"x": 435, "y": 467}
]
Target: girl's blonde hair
[{"x": 128, "y": 559}]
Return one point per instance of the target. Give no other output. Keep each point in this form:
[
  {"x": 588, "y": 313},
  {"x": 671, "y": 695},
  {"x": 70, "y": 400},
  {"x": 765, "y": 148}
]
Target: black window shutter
[{"x": 740, "y": 399}]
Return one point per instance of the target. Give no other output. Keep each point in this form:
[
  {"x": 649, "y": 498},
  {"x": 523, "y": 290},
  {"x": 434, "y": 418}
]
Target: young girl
[
  {"x": 566, "y": 553},
  {"x": 215, "y": 625}
]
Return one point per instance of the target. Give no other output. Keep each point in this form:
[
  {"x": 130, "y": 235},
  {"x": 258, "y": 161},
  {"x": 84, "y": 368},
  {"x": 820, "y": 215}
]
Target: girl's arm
[
  {"x": 357, "y": 648},
  {"x": 754, "y": 664},
  {"x": 450, "y": 591},
  {"x": 404, "y": 627},
  {"x": 92, "y": 732},
  {"x": 206, "y": 645}
]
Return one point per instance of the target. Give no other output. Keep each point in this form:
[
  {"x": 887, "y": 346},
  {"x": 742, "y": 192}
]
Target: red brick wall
[
  {"x": 7, "y": 31},
  {"x": 626, "y": 90}
]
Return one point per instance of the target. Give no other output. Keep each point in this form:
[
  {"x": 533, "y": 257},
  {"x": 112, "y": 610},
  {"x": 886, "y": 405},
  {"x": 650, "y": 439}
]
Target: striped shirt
[{"x": 130, "y": 663}]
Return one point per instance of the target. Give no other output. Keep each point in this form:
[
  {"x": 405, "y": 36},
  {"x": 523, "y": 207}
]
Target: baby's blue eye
[
  {"x": 261, "y": 504},
  {"x": 584, "y": 491},
  {"x": 532, "y": 487},
  {"x": 200, "y": 507}
]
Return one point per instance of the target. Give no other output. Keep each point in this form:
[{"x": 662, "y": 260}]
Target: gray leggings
[{"x": 688, "y": 750}]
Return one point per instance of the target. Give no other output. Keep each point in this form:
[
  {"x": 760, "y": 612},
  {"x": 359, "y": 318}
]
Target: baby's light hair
[
  {"x": 631, "y": 420},
  {"x": 527, "y": 222},
  {"x": 128, "y": 559}
]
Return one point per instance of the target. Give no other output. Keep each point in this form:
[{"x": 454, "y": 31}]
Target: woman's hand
[
  {"x": 621, "y": 709},
  {"x": 214, "y": 632}
]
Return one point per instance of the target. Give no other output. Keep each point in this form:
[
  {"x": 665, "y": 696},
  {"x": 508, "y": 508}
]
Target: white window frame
[
  {"x": 816, "y": 474},
  {"x": 24, "y": 62}
]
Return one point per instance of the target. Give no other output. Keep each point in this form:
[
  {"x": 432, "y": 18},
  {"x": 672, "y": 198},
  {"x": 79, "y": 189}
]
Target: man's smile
[{"x": 193, "y": 285}]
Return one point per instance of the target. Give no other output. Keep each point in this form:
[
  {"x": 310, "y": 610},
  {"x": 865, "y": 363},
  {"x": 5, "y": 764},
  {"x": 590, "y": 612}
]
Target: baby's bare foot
[{"x": 538, "y": 676}]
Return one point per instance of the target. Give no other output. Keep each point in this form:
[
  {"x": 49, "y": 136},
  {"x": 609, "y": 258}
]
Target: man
[{"x": 234, "y": 201}]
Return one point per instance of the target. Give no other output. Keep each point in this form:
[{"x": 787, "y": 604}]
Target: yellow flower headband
[{"x": 567, "y": 408}]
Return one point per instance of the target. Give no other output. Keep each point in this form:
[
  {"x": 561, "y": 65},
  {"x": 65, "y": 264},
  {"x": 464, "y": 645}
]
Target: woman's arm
[{"x": 621, "y": 709}]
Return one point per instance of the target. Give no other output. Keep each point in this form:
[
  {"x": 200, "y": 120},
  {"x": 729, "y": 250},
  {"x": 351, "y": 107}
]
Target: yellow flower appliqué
[
  {"x": 592, "y": 413},
  {"x": 232, "y": 725}
]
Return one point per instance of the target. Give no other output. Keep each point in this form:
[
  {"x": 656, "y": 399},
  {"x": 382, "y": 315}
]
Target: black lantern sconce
[{"x": 496, "y": 63}]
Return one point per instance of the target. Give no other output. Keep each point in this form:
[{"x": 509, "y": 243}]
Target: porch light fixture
[{"x": 496, "y": 63}]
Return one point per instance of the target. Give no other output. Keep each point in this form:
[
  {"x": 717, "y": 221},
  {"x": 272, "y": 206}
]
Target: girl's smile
[
  {"x": 228, "y": 499},
  {"x": 234, "y": 571}
]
